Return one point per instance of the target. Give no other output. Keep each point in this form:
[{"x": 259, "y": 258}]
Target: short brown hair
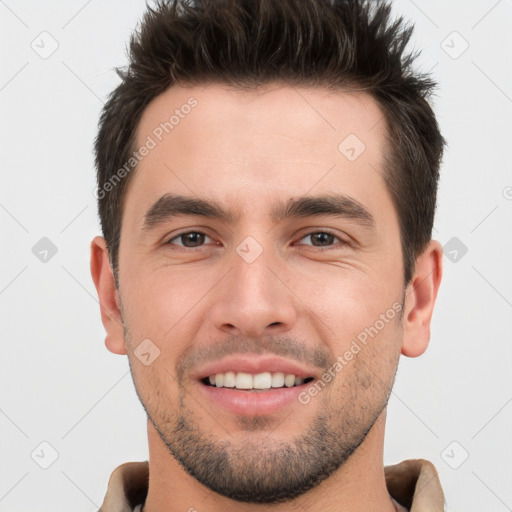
[{"x": 334, "y": 44}]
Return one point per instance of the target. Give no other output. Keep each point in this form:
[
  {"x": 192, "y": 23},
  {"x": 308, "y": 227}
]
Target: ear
[
  {"x": 108, "y": 295},
  {"x": 420, "y": 297}
]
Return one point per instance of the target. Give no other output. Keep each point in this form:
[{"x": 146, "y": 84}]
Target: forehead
[{"x": 213, "y": 141}]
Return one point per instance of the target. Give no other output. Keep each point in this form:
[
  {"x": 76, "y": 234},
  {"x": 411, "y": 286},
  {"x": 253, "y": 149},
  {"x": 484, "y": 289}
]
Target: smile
[{"x": 255, "y": 382}]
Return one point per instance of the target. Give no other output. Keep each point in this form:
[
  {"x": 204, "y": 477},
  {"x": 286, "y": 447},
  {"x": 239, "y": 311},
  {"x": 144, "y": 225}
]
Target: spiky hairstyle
[{"x": 334, "y": 44}]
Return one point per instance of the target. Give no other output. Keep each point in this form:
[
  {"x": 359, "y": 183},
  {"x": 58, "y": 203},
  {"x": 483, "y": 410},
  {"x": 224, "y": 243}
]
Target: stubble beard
[
  {"x": 269, "y": 471},
  {"x": 265, "y": 471}
]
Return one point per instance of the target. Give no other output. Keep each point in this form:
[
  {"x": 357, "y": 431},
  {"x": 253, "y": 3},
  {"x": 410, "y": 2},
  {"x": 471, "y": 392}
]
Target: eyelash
[{"x": 327, "y": 232}]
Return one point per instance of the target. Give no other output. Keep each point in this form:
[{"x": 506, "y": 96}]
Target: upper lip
[{"x": 254, "y": 365}]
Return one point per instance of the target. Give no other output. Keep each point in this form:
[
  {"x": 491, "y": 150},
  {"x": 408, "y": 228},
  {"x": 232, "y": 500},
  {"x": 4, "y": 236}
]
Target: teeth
[
  {"x": 262, "y": 381},
  {"x": 229, "y": 379},
  {"x": 265, "y": 380},
  {"x": 289, "y": 381},
  {"x": 243, "y": 381},
  {"x": 278, "y": 380}
]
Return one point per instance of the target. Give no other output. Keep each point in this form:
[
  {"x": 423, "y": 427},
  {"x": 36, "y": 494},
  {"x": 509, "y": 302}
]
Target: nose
[{"x": 254, "y": 299}]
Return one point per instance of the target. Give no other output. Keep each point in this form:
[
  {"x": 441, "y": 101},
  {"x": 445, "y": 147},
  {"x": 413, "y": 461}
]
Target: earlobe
[
  {"x": 420, "y": 298},
  {"x": 108, "y": 296}
]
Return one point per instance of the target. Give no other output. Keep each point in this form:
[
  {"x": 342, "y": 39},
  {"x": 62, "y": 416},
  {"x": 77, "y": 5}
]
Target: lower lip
[{"x": 250, "y": 403}]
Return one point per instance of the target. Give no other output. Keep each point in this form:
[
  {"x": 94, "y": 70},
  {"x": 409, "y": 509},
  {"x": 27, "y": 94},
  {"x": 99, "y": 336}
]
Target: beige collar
[{"x": 415, "y": 485}]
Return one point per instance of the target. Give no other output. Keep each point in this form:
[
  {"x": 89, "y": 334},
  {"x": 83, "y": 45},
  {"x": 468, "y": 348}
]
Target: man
[{"x": 267, "y": 176}]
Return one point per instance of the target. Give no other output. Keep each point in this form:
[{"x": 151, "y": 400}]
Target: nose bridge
[
  {"x": 253, "y": 279},
  {"x": 253, "y": 299}
]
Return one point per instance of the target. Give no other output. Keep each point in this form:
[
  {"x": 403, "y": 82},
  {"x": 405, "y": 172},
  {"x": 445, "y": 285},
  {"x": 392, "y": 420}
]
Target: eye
[
  {"x": 322, "y": 239},
  {"x": 189, "y": 239}
]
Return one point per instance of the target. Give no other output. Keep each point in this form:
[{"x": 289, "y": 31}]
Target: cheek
[
  {"x": 360, "y": 323},
  {"x": 367, "y": 359},
  {"x": 159, "y": 301},
  {"x": 157, "y": 389},
  {"x": 347, "y": 302}
]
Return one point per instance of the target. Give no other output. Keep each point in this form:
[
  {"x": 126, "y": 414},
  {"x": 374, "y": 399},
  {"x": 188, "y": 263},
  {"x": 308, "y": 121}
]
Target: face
[{"x": 288, "y": 263}]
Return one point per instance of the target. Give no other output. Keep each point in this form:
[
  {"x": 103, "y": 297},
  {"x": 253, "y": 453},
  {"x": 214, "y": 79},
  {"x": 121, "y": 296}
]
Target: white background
[{"x": 59, "y": 384}]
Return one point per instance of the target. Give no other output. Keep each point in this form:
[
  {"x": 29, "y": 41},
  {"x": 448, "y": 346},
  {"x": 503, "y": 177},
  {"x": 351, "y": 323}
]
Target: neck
[{"x": 359, "y": 485}]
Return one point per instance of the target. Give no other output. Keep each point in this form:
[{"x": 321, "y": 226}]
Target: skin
[{"x": 247, "y": 151}]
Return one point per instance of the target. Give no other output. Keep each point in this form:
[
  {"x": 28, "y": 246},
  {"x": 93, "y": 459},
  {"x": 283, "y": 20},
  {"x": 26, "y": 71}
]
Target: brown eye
[
  {"x": 189, "y": 239},
  {"x": 321, "y": 239}
]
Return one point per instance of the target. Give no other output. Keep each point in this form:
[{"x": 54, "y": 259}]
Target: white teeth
[
  {"x": 244, "y": 381},
  {"x": 289, "y": 380},
  {"x": 260, "y": 381},
  {"x": 229, "y": 379},
  {"x": 277, "y": 380}
]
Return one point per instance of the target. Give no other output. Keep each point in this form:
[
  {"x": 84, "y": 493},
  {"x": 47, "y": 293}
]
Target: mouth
[
  {"x": 252, "y": 384},
  {"x": 255, "y": 383}
]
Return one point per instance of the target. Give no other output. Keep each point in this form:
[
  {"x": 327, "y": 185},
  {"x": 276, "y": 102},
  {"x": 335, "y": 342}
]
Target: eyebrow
[{"x": 170, "y": 206}]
